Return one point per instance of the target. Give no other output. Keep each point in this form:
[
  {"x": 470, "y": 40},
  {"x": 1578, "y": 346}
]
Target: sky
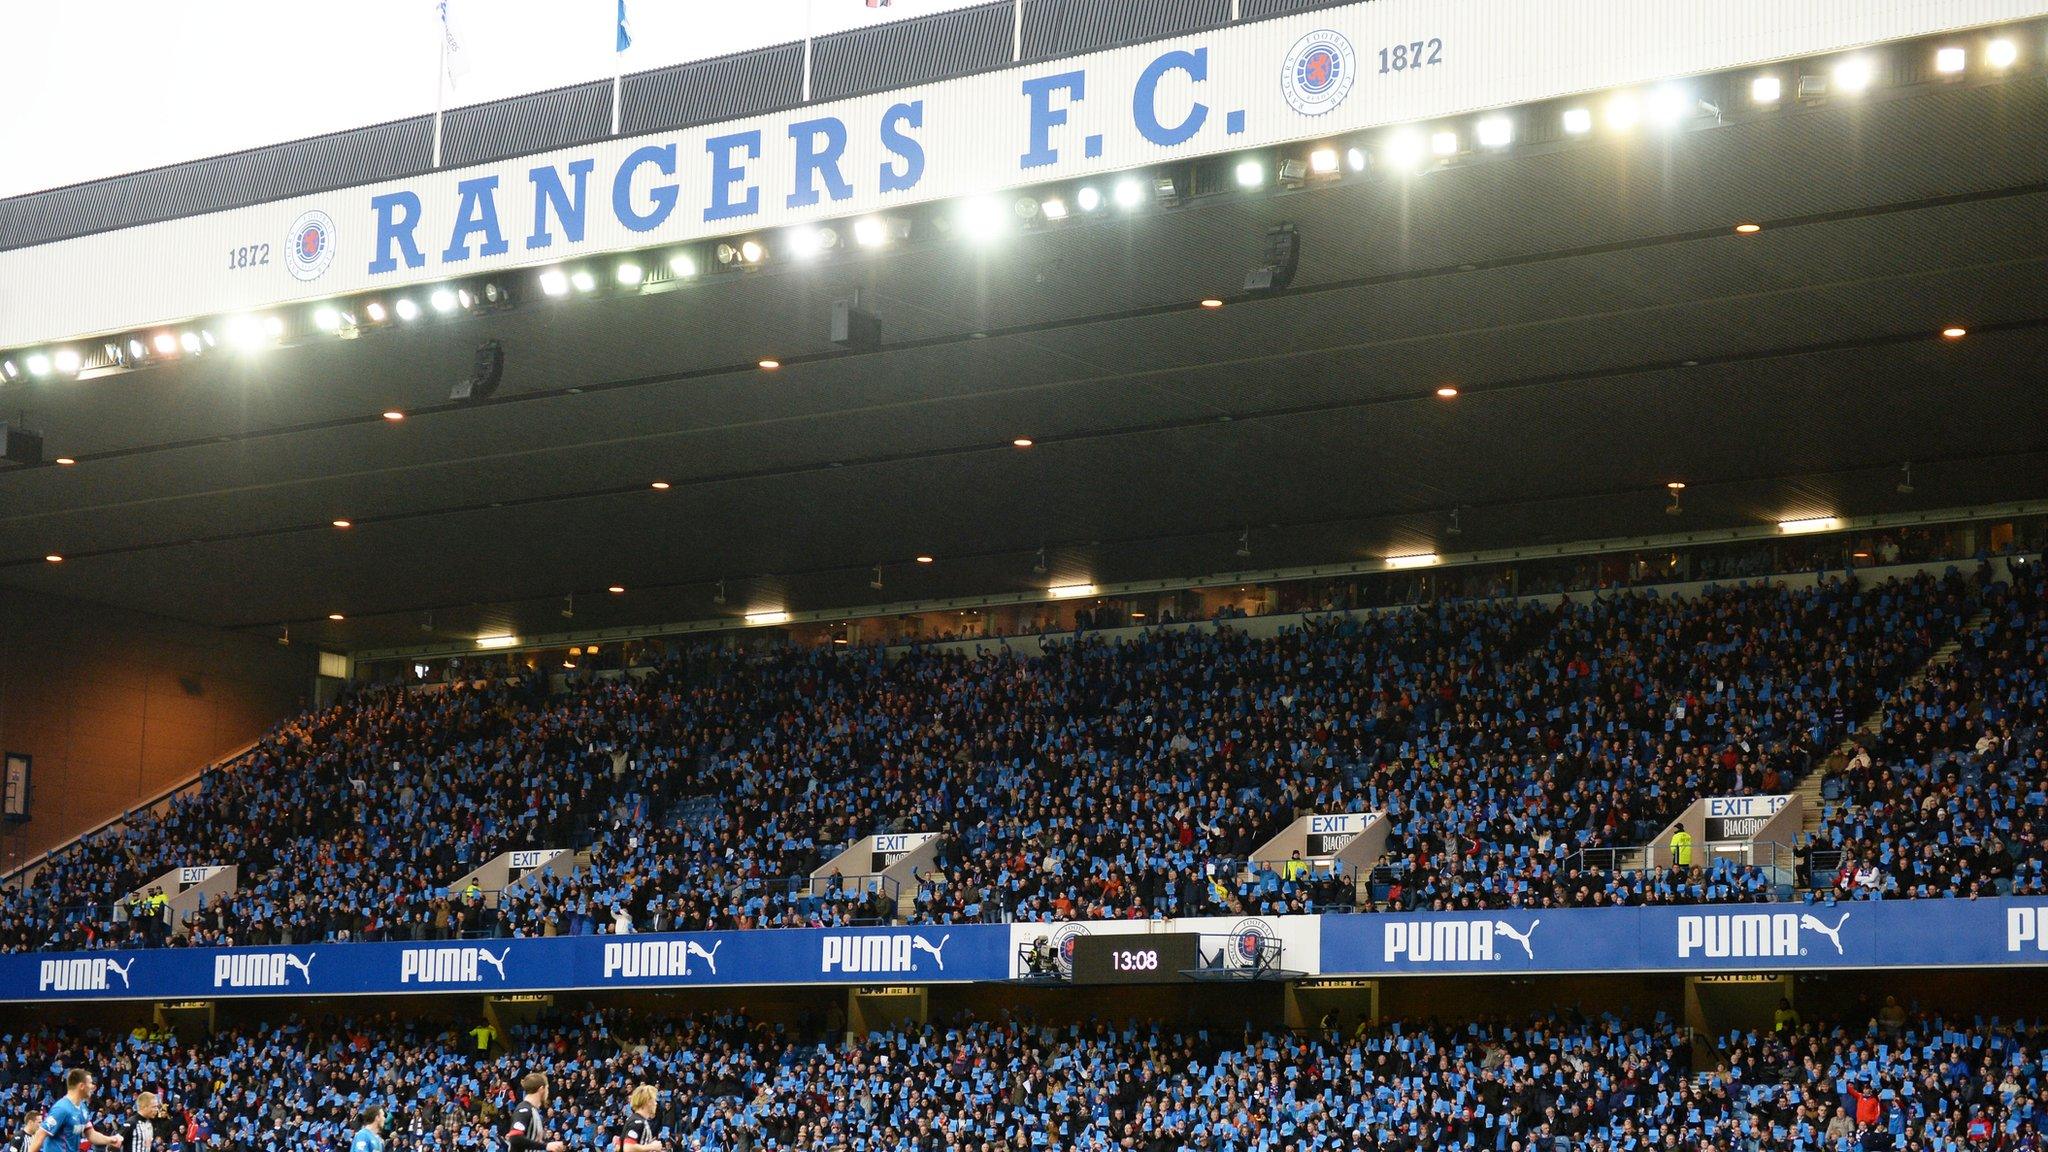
[{"x": 96, "y": 88}]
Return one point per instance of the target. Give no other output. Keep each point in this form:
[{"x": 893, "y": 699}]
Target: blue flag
[{"x": 625, "y": 31}]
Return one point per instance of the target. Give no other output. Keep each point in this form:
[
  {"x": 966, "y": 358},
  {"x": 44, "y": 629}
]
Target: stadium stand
[
  {"x": 1552, "y": 1081},
  {"x": 1100, "y": 780}
]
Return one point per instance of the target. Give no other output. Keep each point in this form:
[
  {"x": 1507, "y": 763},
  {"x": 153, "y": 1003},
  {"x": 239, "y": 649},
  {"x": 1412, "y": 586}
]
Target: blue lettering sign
[
  {"x": 478, "y": 213},
  {"x": 662, "y": 196},
  {"x": 904, "y": 146},
  {"x": 548, "y": 192},
  {"x": 814, "y": 160},
  {"x": 398, "y": 214},
  {"x": 1044, "y": 117},
  {"x": 725, "y": 173},
  {"x": 1145, "y": 98}
]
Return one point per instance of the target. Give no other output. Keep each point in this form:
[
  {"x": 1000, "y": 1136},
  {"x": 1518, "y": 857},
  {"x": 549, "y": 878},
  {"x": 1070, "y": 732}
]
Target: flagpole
[
  {"x": 440, "y": 88},
  {"x": 618, "y": 64}
]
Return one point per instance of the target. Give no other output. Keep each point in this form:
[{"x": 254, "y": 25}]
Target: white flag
[{"x": 453, "y": 62}]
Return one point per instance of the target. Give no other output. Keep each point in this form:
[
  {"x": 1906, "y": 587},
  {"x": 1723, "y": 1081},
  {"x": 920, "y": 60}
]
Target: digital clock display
[{"x": 1146, "y": 958}]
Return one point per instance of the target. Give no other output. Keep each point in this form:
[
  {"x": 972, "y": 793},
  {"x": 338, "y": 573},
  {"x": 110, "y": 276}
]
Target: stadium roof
[{"x": 1606, "y": 327}]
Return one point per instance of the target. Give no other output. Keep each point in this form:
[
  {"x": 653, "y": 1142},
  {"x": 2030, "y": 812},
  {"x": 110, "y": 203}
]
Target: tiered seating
[
  {"x": 1951, "y": 798},
  {"x": 1101, "y": 779},
  {"x": 1548, "y": 1083}
]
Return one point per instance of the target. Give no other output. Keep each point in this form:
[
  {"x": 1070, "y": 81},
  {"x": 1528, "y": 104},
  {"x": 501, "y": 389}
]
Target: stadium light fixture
[
  {"x": 1623, "y": 111},
  {"x": 442, "y": 300},
  {"x": 10, "y": 370},
  {"x": 869, "y": 233},
  {"x": 244, "y": 332},
  {"x": 582, "y": 280},
  {"x": 327, "y": 319},
  {"x": 1415, "y": 560},
  {"x": 1354, "y": 159},
  {"x": 807, "y": 241},
  {"x": 66, "y": 361},
  {"x": 375, "y": 311},
  {"x": 630, "y": 274},
  {"x": 1250, "y": 173},
  {"x": 1444, "y": 143},
  {"x": 1088, "y": 199},
  {"x": 496, "y": 641},
  {"x": 1809, "y": 524},
  {"x": 38, "y": 364},
  {"x": 1669, "y": 105},
  {"x": 1070, "y": 591},
  {"x": 1324, "y": 161},
  {"x": 1950, "y": 60},
  {"x": 1404, "y": 150},
  {"x": 164, "y": 343},
  {"x": 1853, "y": 75},
  {"x": 1577, "y": 121},
  {"x": 752, "y": 251},
  {"x": 2001, "y": 53},
  {"x": 191, "y": 342},
  {"x": 757, "y": 619},
  {"x": 1766, "y": 90},
  {"x": 1496, "y": 132},
  {"x": 1128, "y": 193},
  {"x": 406, "y": 309},
  {"x": 682, "y": 265},
  {"x": 1053, "y": 208},
  {"x": 982, "y": 218},
  {"x": 554, "y": 282}
]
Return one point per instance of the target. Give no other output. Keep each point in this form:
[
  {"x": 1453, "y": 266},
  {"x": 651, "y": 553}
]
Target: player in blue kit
[
  {"x": 369, "y": 1137},
  {"x": 68, "y": 1123}
]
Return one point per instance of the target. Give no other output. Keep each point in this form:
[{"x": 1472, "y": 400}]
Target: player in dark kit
[
  {"x": 637, "y": 1133},
  {"x": 528, "y": 1131}
]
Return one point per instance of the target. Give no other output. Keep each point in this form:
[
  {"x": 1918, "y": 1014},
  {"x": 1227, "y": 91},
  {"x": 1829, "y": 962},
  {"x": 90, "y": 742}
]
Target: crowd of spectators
[
  {"x": 1100, "y": 779},
  {"x": 1949, "y": 796},
  {"x": 1551, "y": 1082}
]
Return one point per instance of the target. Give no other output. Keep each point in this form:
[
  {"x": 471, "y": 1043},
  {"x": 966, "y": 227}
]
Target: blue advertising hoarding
[
  {"x": 926, "y": 955},
  {"x": 1695, "y": 938}
]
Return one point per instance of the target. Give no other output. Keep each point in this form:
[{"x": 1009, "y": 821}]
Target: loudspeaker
[
  {"x": 1283, "y": 254},
  {"x": 483, "y": 375},
  {"x": 21, "y": 447},
  {"x": 854, "y": 328}
]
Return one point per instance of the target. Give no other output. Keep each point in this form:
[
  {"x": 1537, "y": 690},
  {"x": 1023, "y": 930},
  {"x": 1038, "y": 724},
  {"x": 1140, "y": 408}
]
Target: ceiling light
[
  {"x": 406, "y": 309},
  {"x": 442, "y": 300},
  {"x": 1089, "y": 199},
  {"x": 1404, "y": 150},
  {"x": 273, "y": 326},
  {"x": 869, "y": 233},
  {"x": 1354, "y": 159},
  {"x": 496, "y": 641},
  {"x": 771, "y": 617},
  {"x": 1746, "y": 228},
  {"x": 1623, "y": 112},
  {"x": 1496, "y": 132},
  {"x": 806, "y": 242},
  {"x": 582, "y": 280},
  {"x": 67, "y": 361},
  {"x": 1022, "y": 442},
  {"x": 38, "y": 364},
  {"x": 1323, "y": 161},
  {"x": 617, "y": 589},
  {"x": 1950, "y": 60},
  {"x": 1211, "y": 302},
  {"x": 393, "y": 415},
  {"x": 770, "y": 365},
  {"x": 1250, "y": 174},
  {"x": 1577, "y": 121},
  {"x": 751, "y": 251},
  {"x": 136, "y": 351},
  {"x": 1128, "y": 193},
  {"x": 659, "y": 485},
  {"x": 2001, "y": 53},
  {"x": 1070, "y": 591},
  {"x": 463, "y": 298},
  {"x": 1447, "y": 392},
  {"x": 1853, "y": 75},
  {"x": 1766, "y": 90},
  {"x": 1668, "y": 106},
  {"x": 630, "y": 274},
  {"x": 682, "y": 265},
  {"x": 1808, "y": 524},
  {"x": 982, "y": 218},
  {"x": 1955, "y": 332},
  {"x": 334, "y": 616},
  {"x": 344, "y": 523},
  {"x": 243, "y": 332},
  {"x": 1444, "y": 143},
  {"x": 326, "y": 319},
  {"x": 1054, "y": 208},
  {"x": 554, "y": 282},
  {"x": 190, "y": 342},
  {"x": 1414, "y": 560},
  {"x": 1675, "y": 485},
  {"x": 66, "y": 461},
  {"x": 924, "y": 559},
  {"x": 164, "y": 343},
  {"x": 53, "y": 558}
]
